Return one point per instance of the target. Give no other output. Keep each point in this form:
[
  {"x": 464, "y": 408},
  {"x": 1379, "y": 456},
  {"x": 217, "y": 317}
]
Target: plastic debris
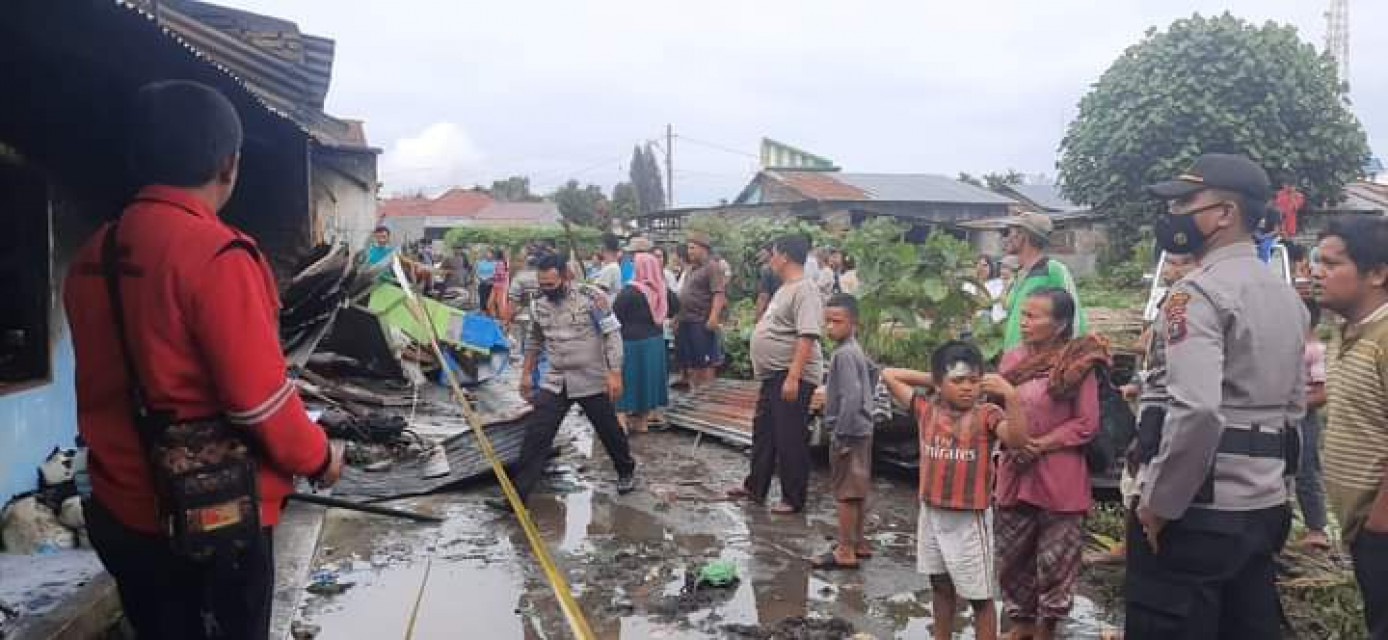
[{"x": 718, "y": 574}]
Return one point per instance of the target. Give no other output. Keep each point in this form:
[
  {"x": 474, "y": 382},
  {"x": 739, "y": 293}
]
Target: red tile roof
[
  {"x": 518, "y": 213},
  {"x": 455, "y": 203},
  {"x": 819, "y": 185}
]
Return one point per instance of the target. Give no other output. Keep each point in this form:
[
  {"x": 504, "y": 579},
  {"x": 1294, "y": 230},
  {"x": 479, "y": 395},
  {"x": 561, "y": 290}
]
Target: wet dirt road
[{"x": 626, "y": 557}]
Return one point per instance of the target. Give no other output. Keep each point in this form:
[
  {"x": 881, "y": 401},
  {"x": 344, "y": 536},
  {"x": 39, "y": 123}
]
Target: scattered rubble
[{"x": 794, "y": 628}]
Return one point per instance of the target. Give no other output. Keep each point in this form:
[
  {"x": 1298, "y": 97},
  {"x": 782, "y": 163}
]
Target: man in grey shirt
[
  {"x": 787, "y": 360},
  {"x": 582, "y": 342}
]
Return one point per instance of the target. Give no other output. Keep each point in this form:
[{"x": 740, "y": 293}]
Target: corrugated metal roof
[
  {"x": 1046, "y": 196},
  {"x": 287, "y": 72},
  {"x": 1365, "y": 196},
  {"x": 920, "y": 188},
  {"x": 886, "y": 187}
]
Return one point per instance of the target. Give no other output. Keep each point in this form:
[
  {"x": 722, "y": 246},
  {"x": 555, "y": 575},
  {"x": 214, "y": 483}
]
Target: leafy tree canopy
[
  {"x": 583, "y": 205},
  {"x": 513, "y": 189},
  {"x": 624, "y": 202},
  {"x": 1211, "y": 85}
]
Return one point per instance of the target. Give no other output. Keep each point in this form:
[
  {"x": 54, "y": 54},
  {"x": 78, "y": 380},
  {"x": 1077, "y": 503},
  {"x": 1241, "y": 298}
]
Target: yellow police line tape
[{"x": 577, "y": 623}]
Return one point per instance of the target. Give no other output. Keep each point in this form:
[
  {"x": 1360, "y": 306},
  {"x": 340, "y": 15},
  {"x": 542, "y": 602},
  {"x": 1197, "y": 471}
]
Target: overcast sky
[{"x": 467, "y": 92}]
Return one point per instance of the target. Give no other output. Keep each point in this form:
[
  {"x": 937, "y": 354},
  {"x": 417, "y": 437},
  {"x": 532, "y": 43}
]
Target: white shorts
[{"x": 958, "y": 543}]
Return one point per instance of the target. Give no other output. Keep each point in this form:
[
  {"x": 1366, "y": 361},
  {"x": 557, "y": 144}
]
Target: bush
[
  {"x": 512, "y": 238},
  {"x": 911, "y": 296}
]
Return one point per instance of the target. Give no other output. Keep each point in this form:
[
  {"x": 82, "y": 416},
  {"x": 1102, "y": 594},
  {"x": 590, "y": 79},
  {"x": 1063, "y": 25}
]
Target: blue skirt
[{"x": 645, "y": 382}]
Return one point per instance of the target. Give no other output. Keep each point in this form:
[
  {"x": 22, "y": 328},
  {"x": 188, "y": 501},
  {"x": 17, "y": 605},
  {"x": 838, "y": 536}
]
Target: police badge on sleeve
[{"x": 1176, "y": 312}]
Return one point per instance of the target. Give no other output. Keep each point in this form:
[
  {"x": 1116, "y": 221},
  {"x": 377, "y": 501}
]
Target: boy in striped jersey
[{"x": 958, "y": 433}]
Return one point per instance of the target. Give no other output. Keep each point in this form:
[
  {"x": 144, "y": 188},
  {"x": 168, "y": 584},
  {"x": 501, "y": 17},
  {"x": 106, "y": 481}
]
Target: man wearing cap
[
  {"x": 1027, "y": 236},
  {"x": 702, "y": 300},
  {"x": 1212, "y": 512}
]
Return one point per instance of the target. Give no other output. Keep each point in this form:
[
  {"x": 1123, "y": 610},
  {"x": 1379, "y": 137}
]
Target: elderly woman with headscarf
[
  {"x": 642, "y": 307},
  {"x": 1042, "y": 491}
]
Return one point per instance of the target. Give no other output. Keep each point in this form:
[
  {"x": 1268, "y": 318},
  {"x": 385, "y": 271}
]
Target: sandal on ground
[
  {"x": 830, "y": 562},
  {"x": 738, "y": 492},
  {"x": 784, "y": 509}
]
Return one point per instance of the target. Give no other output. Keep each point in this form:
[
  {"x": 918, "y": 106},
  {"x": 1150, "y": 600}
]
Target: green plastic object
[
  {"x": 719, "y": 573},
  {"x": 388, "y": 303}
]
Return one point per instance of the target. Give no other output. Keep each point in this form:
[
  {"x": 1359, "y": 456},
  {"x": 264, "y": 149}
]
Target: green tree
[
  {"x": 582, "y": 205},
  {"x": 994, "y": 181},
  {"x": 624, "y": 203},
  {"x": 646, "y": 179},
  {"x": 1210, "y": 85},
  {"x": 1001, "y": 180},
  {"x": 513, "y": 189}
]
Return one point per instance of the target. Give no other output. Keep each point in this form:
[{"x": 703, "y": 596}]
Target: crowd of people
[
  {"x": 1233, "y": 387},
  {"x": 176, "y": 351}
]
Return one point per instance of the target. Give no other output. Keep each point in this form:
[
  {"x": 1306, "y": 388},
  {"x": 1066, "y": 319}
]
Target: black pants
[
  {"x": 781, "y": 443},
  {"x": 543, "y": 425},
  {"x": 1370, "y": 553},
  {"x": 167, "y": 597},
  {"x": 1214, "y": 578}
]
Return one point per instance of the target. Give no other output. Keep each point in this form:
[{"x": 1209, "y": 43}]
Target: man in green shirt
[{"x": 1027, "y": 236}]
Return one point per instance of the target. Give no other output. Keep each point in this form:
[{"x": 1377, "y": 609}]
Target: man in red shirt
[{"x": 200, "y": 309}]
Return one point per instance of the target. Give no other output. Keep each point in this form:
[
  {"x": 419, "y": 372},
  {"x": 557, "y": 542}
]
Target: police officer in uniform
[
  {"x": 1212, "y": 512},
  {"x": 580, "y": 338}
]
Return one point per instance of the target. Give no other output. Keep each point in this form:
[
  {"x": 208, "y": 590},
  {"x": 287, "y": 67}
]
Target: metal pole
[
  {"x": 339, "y": 503},
  {"x": 669, "y": 166}
]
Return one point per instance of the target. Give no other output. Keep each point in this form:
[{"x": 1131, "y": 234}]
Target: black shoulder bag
[
  {"x": 203, "y": 471},
  {"x": 1117, "y": 425}
]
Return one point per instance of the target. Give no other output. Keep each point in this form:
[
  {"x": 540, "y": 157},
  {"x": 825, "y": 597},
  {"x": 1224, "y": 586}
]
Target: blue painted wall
[{"x": 35, "y": 420}]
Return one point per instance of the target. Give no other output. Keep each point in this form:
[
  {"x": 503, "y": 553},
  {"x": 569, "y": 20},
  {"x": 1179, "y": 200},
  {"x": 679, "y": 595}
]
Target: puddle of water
[{"x": 627, "y": 558}]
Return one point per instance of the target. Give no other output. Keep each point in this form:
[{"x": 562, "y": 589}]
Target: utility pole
[
  {"x": 1337, "y": 36},
  {"x": 669, "y": 166}
]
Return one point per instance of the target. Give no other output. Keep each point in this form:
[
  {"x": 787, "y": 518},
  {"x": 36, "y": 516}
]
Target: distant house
[
  {"x": 420, "y": 218},
  {"x": 1045, "y": 198},
  {"x": 1360, "y": 199},
  {"x": 923, "y": 201},
  {"x": 1078, "y": 239}
]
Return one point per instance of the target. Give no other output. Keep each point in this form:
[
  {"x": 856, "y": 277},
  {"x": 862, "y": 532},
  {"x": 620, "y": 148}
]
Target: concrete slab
[
  {"x": 296, "y": 542},
  {"x": 61, "y": 596}
]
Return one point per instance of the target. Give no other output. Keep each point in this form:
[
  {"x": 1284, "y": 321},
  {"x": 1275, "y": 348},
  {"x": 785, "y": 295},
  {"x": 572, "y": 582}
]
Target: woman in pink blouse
[{"x": 1042, "y": 491}]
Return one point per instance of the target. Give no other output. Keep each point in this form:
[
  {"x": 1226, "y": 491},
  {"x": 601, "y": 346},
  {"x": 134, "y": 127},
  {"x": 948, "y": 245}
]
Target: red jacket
[{"x": 201, "y": 314}]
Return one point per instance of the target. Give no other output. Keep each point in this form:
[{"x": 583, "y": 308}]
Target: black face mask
[
  {"x": 1178, "y": 234},
  {"x": 556, "y": 294}
]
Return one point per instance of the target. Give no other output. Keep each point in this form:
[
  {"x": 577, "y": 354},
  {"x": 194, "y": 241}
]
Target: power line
[{"x": 719, "y": 147}]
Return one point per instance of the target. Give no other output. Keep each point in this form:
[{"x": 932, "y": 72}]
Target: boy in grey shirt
[{"x": 848, "y": 415}]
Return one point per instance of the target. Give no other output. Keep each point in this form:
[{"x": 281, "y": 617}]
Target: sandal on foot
[{"x": 830, "y": 562}]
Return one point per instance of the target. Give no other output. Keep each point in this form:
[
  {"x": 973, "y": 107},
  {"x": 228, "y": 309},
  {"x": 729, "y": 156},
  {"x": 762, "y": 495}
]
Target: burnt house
[{"x": 68, "y": 70}]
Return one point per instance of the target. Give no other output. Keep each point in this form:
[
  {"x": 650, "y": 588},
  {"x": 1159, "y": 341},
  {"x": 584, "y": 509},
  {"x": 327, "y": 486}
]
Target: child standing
[
  {"x": 958, "y": 433},
  {"x": 1310, "y": 489},
  {"x": 849, "y": 395}
]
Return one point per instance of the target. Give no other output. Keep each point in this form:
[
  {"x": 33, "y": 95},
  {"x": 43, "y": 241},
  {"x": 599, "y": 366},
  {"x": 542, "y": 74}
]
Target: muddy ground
[{"x": 628, "y": 558}]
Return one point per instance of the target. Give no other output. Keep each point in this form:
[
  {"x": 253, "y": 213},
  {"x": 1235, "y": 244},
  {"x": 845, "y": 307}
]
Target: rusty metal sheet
[
  {"x": 465, "y": 462},
  {"x": 723, "y": 409}
]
